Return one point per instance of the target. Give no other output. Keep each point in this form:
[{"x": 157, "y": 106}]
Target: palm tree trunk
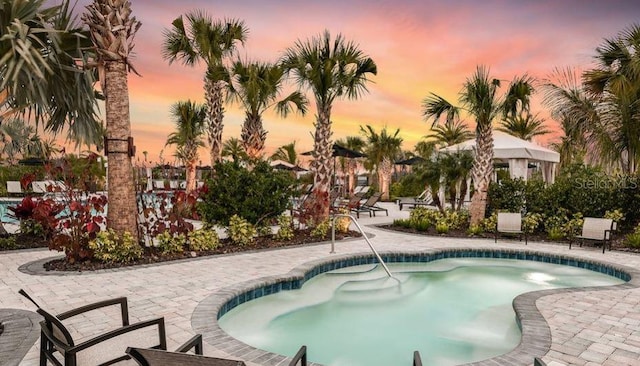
[
  {"x": 463, "y": 193},
  {"x": 215, "y": 113},
  {"x": 122, "y": 211},
  {"x": 191, "y": 175},
  {"x": 385, "y": 170},
  {"x": 322, "y": 151},
  {"x": 353, "y": 165},
  {"x": 481, "y": 172},
  {"x": 253, "y": 135}
]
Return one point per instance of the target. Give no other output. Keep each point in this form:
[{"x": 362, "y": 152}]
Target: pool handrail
[
  {"x": 417, "y": 361},
  {"x": 333, "y": 239}
]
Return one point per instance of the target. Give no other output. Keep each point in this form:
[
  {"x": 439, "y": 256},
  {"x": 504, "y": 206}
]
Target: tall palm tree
[
  {"x": 450, "y": 133},
  {"x": 212, "y": 42},
  {"x": 479, "y": 97},
  {"x": 113, "y": 29},
  {"x": 571, "y": 145},
  {"x": 425, "y": 149},
  {"x": 606, "y": 106},
  {"x": 234, "y": 149},
  {"x": 287, "y": 153},
  {"x": 43, "y": 76},
  {"x": 331, "y": 70},
  {"x": 189, "y": 118},
  {"x": 382, "y": 150},
  {"x": 524, "y": 126},
  {"x": 455, "y": 168},
  {"x": 256, "y": 86}
]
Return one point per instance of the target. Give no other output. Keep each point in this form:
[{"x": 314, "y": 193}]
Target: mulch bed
[
  {"x": 152, "y": 255},
  {"x": 617, "y": 243}
]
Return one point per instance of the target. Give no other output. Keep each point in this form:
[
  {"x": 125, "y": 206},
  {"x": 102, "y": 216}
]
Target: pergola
[{"x": 517, "y": 153}]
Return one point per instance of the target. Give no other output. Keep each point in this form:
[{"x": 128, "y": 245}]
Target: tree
[
  {"x": 355, "y": 143},
  {"x": 524, "y": 126},
  {"x": 287, "y": 153},
  {"x": 233, "y": 148},
  {"x": 331, "y": 70},
  {"x": 189, "y": 118},
  {"x": 479, "y": 98},
  {"x": 605, "y": 108},
  {"x": 211, "y": 42},
  {"x": 256, "y": 86},
  {"x": 113, "y": 28},
  {"x": 43, "y": 77},
  {"x": 450, "y": 133},
  {"x": 455, "y": 168},
  {"x": 382, "y": 150}
]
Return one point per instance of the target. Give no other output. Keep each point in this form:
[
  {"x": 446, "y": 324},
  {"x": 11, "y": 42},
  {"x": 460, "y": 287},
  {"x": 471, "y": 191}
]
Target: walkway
[{"x": 588, "y": 328}]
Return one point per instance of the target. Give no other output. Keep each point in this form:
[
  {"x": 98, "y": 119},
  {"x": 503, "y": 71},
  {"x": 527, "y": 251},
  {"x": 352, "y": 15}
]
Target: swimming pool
[{"x": 367, "y": 319}]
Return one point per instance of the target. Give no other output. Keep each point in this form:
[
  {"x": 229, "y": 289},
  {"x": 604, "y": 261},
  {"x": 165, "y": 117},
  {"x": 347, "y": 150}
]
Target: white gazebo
[{"x": 518, "y": 154}]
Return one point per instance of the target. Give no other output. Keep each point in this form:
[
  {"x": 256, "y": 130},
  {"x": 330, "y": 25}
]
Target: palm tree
[
  {"x": 479, "y": 98},
  {"x": 287, "y": 153},
  {"x": 189, "y": 118},
  {"x": 524, "y": 126},
  {"x": 425, "y": 149},
  {"x": 382, "y": 150},
  {"x": 43, "y": 76},
  {"x": 606, "y": 107},
  {"x": 234, "y": 149},
  {"x": 349, "y": 166},
  {"x": 331, "y": 70},
  {"x": 113, "y": 29},
  {"x": 211, "y": 42},
  {"x": 256, "y": 86},
  {"x": 455, "y": 168},
  {"x": 450, "y": 133}
]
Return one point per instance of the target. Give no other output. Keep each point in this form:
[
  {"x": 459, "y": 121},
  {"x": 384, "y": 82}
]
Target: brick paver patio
[{"x": 588, "y": 328}]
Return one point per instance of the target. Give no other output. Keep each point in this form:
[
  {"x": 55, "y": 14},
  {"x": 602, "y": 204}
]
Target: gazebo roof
[{"x": 507, "y": 147}]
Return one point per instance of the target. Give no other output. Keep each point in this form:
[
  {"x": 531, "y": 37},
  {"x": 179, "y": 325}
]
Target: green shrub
[
  {"x": 507, "y": 195},
  {"x": 442, "y": 227},
  {"x": 256, "y": 195},
  {"x": 264, "y": 230},
  {"x": 203, "y": 239},
  {"x": 633, "y": 240},
  {"x": 455, "y": 219},
  {"x": 531, "y": 222},
  {"x": 406, "y": 223},
  {"x": 423, "y": 214},
  {"x": 475, "y": 230},
  {"x": 573, "y": 226},
  {"x": 421, "y": 225},
  {"x": 490, "y": 223},
  {"x": 168, "y": 244},
  {"x": 285, "y": 228},
  {"x": 321, "y": 230},
  {"x": 615, "y": 215},
  {"x": 32, "y": 227},
  {"x": 109, "y": 247},
  {"x": 241, "y": 231},
  {"x": 8, "y": 242},
  {"x": 555, "y": 233},
  {"x": 407, "y": 186}
]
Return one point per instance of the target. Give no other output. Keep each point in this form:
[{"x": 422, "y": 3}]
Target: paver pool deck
[{"x": 588, "y": 327}]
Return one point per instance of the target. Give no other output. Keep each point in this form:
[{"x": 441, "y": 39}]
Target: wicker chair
[
  {"x": 510, "y": 223},
  {"x": 58, "y": 346}
]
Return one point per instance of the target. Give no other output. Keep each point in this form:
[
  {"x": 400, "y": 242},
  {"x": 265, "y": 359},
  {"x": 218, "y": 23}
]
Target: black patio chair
[{"x": 58, "y": 346}]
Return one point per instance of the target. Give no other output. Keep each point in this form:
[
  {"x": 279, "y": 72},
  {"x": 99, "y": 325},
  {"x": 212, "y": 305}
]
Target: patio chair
[
  {"x": 39, "y": 187},
  {"x": 174, "y": 185},
  {"x": 354, "y": 205},
  {"x": 14, "y": 188},
  {"x": 423, "y": 199},
  {"x": 59, "y": 347},
  {"x": 510, "y": 223},
  {"x": 156, "y": 357},
  {"x": 597, "y": 229},
  {"x": 158, "y": 184},
  {"x": 371, "y": 204}
]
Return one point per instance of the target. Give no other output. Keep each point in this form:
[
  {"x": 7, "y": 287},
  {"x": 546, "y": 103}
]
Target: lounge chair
[
  {"x": 510, "y": 223},
  {"x": 597, "y": 229},
  {"x": 174, "y": 185},
  {"x": 354, "y": 205},
  {"x": 371, "y": 204},
  {"x": 156, "y": 357},
  {"x": 59, "y": 347},
  {"x": 423, "y": 199},
  {"x": 14, "y": 188},
  {"x": 39, "y": 187}
]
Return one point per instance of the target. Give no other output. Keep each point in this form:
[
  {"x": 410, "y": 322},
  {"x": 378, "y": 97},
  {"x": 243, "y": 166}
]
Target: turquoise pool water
[{"x": 453, "y": 311}]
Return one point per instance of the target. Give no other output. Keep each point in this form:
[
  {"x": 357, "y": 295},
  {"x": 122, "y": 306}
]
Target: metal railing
[{"x": 333, "y": 240}]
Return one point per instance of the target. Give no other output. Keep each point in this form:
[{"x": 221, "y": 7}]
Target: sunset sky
[{"x": 419, "y": 46}]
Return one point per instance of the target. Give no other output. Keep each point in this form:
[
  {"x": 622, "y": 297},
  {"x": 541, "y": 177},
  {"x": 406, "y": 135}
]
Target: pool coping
[{"x": 536, "y": 334}]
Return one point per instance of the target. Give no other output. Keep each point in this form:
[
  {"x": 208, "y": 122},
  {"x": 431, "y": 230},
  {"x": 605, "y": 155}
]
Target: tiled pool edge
[{"x": 536, "y": 335}]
